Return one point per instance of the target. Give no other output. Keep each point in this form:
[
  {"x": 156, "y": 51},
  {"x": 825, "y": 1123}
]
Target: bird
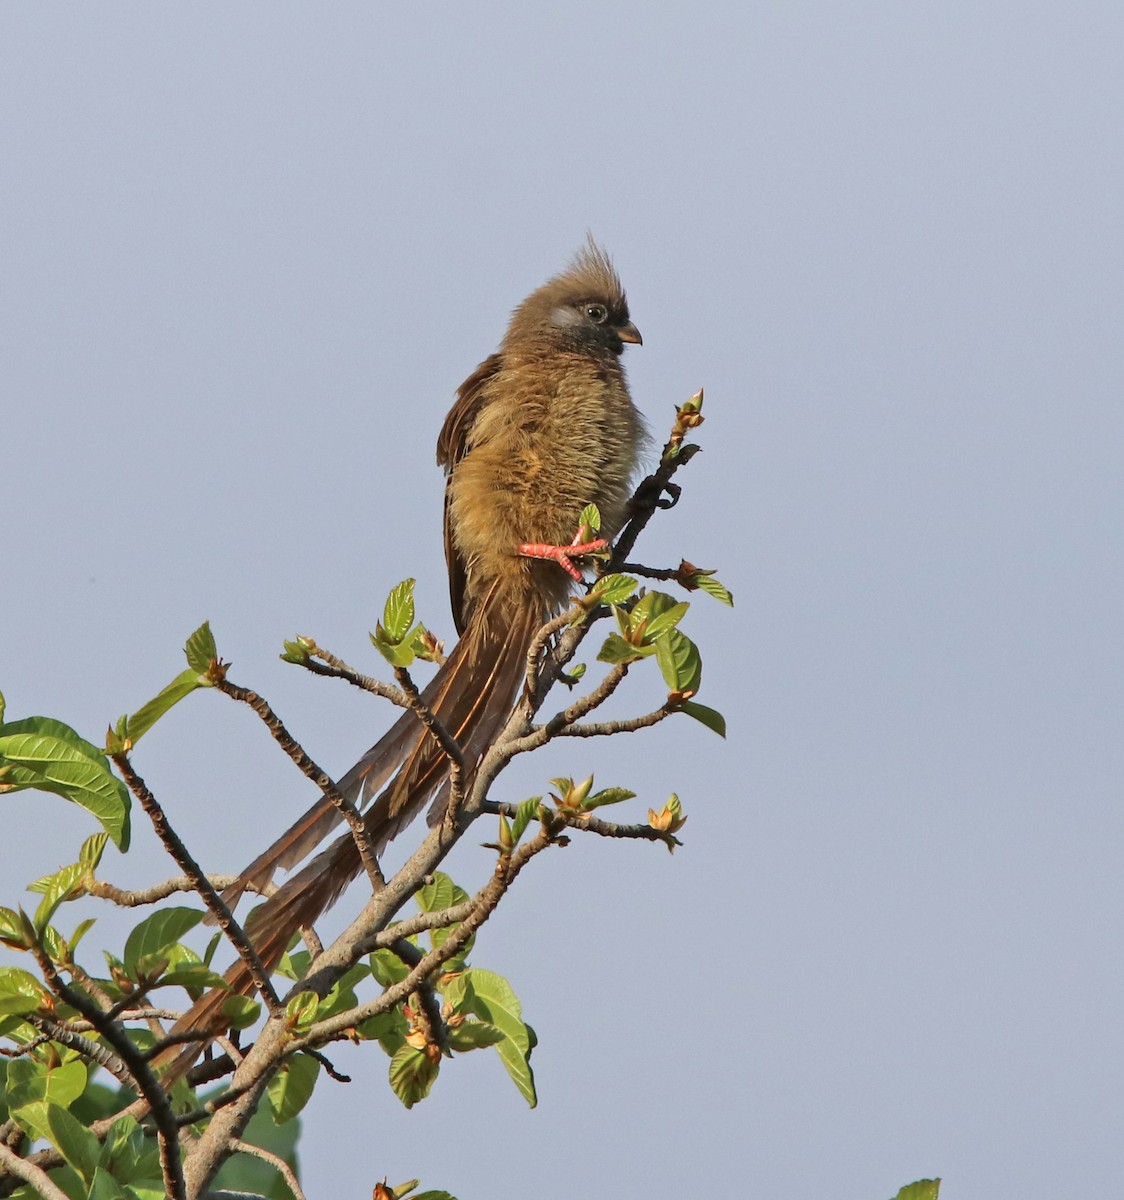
[{"x": 541, "y": 429}]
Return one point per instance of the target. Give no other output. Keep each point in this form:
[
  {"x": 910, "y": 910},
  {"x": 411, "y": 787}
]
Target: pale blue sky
[{"x": 248, "y": 252}]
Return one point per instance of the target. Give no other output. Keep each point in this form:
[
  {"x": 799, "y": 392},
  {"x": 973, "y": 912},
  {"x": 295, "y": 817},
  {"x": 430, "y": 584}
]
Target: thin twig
[
  {"x": 310, "y": 770},
  {"x": 423, "y": 921},
  {"x": 585, "y": 704},
  {"x": 429, "y": 1003},
  {"x": 539, "y": 735},
  {"x": 158, "y": 891},
  {"x": 311, "y": 939},
  {"x": 214, "y": 902},
  {"x": 329, "y": 1067},
  {"x": 449, "y": 744},
  {"x": 56, "y": 1031},
  {"x": 91, "y": 985},
  {"x": 623, "y": 725},
  {"x": 535, "y": 661},
  {"x": 663, "y": 573},
  {"x": 32, "y": 1175},
  {"x": 212, "y": 1106},
  {"x": 275, "y": 1161},
  {"x": 332, "y": 667},
  {"x": 430, "y": 720},
  {"x": 610, "y": 829},
  {"x": 23, "y": 1048},
  {"x": 589, "y": 823}
]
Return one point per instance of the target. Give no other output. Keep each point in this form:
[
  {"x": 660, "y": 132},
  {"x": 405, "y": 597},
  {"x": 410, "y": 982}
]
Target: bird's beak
[{"x": 629, "y": 333}]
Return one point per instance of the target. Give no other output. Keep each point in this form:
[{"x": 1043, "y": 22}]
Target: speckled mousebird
[{"x": 539, "y": 430}]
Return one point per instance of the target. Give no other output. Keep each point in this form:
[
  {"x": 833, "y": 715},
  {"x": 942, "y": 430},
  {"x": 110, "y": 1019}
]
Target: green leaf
[
  {"x": 387, "y": 967},
  {"x": 105, "y": 1187},
  {"x": 440, "y": 892},
  {"x": 240, "y": 1011},
  {"x": 75, "y": 1142},
  {"x": 398, "y": 654},
  {"x": 67, "y": 884},
  {"x": 46, "y": 754},
  {"x": 341, "y": 995},
  {"x": 20, "y": 992},
  {"x": 590, "y": 518},
  {"x": 490, "y": 997},
  {"x": 388, "y": 1029},
  {"x": 518, "y": 1066},
  {"x": 923, "y": 1189},
  {"x": 50, "y": 883},
  {"x": 666, "y": 620},
  {"x": 200, "y": 649},
  {"x": 423, "y": 644},
  {"x": 92, "y": 850},
  {"x": 398, "y": 615},
  {"x": 438, "y": 937},
  {"x": 30, "y": 1082},
  {"x": 650, "y": 606},
  {"x": 300, "y": 1012},
  {"x": 412, "y": 1074},
  {"x": 296, "y": 652},
  {"x": 212, "y": 946},
  {"x": 80, "y": 931},
  {"x": 52, "y": 941},
  {"x": 3, "y": 707},
  {"x": 294, "y": 964},
  {"x": 291, "y": 1088},
  {"x": 524, "y": 815},
  {"x": 680, "y": 661},
  {"x": 129, "y": 1156},
  {"x": 186, "y": 682},
  {"x": 195, "y": 976},
  {"x": 710, "y": 717},
  {"x": 617, "y": 650},
  {"x": 611, "y": 795},
  {"x": 123, "y": 1134},
  {"x": 472, "y": 1035},
  {"x": 706, "y": 582},
  {"x": 613, "y": 589},
  {"x": 155, "y": 936},
  {"x": 12, "y": 931}
]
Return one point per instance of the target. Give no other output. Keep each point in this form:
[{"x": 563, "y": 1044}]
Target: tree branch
[
  {"x": 275, "y": 1161},
  {"x": 32, "y": 1175},
  {"x": 214, "y": 902},
  {"x": 127, "y": 898},
  {"x": 310, "y": 770},
  {"x": 332, "y": 667},
  {"x": 143, "y": 1077}
]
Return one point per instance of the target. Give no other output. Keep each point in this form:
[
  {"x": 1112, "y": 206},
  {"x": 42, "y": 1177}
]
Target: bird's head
[{"x": 583, "y": 308}]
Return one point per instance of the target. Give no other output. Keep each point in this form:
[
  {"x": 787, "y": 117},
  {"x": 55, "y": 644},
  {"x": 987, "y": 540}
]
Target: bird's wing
[{"x": 452, "y": 443}]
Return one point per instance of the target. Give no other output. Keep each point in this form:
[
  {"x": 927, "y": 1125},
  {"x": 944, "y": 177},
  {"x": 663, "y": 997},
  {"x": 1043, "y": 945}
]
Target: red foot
[{"x": 562, "y": 554}]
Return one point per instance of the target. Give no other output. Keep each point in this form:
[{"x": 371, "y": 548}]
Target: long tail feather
[{"x": 472, "y": 696}]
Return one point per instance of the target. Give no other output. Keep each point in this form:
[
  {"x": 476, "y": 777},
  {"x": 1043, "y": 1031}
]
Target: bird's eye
[{"x": 597, "y": 313}]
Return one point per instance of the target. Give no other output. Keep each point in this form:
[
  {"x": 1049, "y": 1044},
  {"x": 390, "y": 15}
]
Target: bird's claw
[
  {"x": 671, "y": 499},
  {"x": 562, "y": 555}
]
